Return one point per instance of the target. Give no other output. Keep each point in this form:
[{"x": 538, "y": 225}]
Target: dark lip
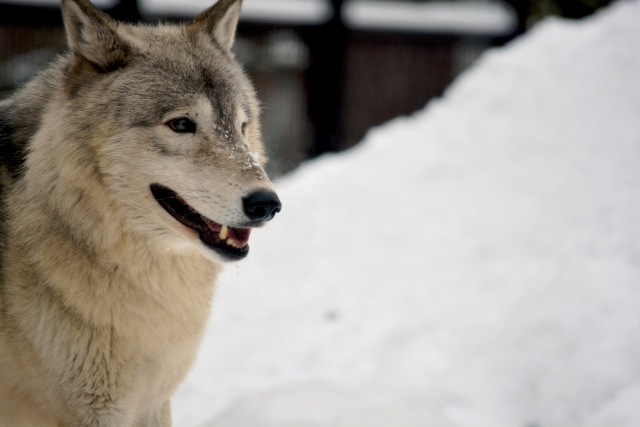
[{"x": 189, "y": 217}]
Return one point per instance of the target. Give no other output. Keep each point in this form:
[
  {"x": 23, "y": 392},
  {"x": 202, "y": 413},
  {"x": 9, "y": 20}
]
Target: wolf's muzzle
[{"x": 261, "y": 205}]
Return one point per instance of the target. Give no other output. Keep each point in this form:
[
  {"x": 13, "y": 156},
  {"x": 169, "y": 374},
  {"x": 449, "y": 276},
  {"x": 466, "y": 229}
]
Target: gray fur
[{"x": 104, "y": 295}]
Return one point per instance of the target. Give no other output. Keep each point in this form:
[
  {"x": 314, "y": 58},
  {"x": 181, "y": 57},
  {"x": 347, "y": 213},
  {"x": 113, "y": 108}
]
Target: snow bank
[{"x": 477, "y": 264}]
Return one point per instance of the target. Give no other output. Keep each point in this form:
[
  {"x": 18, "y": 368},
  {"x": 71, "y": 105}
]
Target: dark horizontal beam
[
  {"x": 29, "y": 15},
  {"x": 125, "y": 10}
]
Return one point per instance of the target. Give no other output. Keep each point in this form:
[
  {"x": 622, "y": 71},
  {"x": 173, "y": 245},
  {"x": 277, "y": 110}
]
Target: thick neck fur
[
  {"x": 81, "y": 281},
  {"x": 63, "y": 198}
]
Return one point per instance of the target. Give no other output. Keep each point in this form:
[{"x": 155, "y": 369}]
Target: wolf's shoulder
[
  {"x": 11, "y": 148},
  {"x": 21, "y": 117}
]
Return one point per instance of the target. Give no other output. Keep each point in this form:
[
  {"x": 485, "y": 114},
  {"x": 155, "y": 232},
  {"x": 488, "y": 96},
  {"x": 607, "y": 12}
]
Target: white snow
[
  {"x": 486, "y": 18},
  {"x": 476, "y": 264},
  {"x": 293, "y": 12}
]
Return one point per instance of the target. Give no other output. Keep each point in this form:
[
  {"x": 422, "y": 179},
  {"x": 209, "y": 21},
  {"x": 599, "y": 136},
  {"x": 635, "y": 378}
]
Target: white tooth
[
  {"x": 223, "y": 233},
  {"x": 230, "y": 242}
]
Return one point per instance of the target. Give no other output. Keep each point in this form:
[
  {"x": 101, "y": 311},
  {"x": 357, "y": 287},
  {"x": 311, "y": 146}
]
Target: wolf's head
[{"x": 173, "y": 123}]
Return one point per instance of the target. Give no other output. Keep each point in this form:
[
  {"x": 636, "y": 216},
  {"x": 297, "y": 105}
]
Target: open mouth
[{"x": 230, "y": 242}]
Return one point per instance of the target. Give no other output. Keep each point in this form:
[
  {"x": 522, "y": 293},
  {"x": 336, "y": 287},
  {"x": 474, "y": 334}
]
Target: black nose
[{"x": 261, "y": 205}]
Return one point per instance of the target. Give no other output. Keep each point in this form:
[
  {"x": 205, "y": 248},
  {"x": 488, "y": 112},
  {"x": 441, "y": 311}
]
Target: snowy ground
[{"x": 477, "y": 264}]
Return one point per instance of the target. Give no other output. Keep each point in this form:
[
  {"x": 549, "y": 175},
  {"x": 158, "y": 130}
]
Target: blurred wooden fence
[{"x": 323, "y": 83}]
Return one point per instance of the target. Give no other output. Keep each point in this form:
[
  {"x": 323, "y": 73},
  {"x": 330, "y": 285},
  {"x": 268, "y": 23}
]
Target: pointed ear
[
  {"x": 92, "y": 35},
  {"x": 220, "y": 22}
]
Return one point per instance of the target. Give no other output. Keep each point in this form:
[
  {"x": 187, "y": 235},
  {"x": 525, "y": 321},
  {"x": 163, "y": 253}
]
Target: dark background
[{"x": 322, "y": 84}]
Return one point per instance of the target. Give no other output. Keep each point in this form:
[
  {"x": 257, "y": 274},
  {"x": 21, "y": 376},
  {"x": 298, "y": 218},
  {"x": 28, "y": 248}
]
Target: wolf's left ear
[
  {"x": 91, "y": 35},
  {"x": 220, "y": 21}
]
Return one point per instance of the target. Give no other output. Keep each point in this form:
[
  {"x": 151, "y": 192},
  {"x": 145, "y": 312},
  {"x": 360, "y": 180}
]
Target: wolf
[{"x": 131, "y": 170}]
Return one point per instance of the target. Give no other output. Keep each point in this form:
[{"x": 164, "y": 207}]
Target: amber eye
[
  {"x": 182, "y": 125},
  {"x": 243, "y": 128}
]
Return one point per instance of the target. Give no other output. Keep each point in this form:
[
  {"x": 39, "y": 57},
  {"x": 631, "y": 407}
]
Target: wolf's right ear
[
  {"x": 220, "y": 22},
  {"x": 92, "y": 35}
]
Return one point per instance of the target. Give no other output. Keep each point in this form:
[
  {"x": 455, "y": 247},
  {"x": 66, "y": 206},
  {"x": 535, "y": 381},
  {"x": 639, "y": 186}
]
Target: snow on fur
[{"x": 476, "y": 264}]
